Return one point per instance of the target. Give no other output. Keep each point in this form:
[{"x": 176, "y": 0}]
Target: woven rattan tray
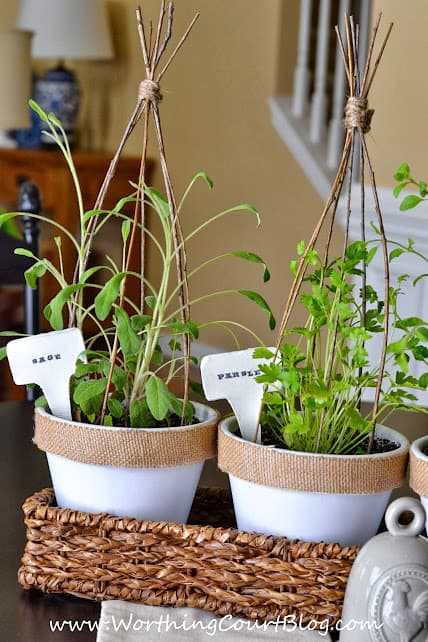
[{"x": 211, "y": 565}]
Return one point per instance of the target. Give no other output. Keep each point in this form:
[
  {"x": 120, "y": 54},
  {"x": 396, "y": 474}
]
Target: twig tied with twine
[
  {"x": 148, "y": 99},
  {"x": 357, "y": 124}
]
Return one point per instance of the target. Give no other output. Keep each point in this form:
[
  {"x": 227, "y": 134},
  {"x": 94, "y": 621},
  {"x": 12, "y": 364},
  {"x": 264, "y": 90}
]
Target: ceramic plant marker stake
[
  {"x": 47, "y": 360},
  {"x": 231, "y": 376}
]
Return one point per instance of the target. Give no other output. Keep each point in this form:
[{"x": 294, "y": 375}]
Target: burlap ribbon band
[
  {"x": 130, "y": 448},
  {"x": 418, "y": 479},
  {"x": 268, "y": 466}
]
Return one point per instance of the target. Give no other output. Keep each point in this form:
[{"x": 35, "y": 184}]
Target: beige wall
[
  {"x": 216, "y": 118},
  {"x": 400, "y": 94}
]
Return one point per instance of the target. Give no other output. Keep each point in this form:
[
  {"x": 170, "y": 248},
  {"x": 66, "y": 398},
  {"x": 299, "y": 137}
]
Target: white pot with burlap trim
[
  {"x": 146, "y": 473},
  {"x": 418, "y": 465},
  {"x": 306, "y": 496}
]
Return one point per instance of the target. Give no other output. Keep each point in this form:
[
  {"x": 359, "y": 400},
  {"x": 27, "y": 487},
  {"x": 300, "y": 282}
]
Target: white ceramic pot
[
  {"x": 146, "y": 473},
  {"x": 311, "y": 497},
  {"x": 419, "y": 471}
]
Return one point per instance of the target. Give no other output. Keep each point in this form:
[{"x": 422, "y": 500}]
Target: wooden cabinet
[{"x": 48, "y": 169}]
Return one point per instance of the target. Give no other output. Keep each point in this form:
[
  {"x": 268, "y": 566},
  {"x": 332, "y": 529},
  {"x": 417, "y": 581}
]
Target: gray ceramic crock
[{"x": 386, "y": 598}]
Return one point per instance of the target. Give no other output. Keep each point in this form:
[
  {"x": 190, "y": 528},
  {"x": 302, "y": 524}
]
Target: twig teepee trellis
[
  {"x": 357, "y": 124},
  {"x": 147, "y": 104}
]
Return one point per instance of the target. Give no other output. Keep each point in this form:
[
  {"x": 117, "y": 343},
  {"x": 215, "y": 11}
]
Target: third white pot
[{"x": 419, "y": 471}]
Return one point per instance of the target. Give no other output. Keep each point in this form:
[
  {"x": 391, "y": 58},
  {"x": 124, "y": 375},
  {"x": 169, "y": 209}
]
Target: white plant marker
[
  {"x": 231, "y": 376},
  {"x": 47, "y": 360}
]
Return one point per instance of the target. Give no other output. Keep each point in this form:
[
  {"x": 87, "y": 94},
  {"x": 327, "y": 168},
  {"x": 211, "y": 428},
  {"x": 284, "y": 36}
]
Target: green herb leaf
[
  {"x": 150, "y": 301},
  {"x": 139, "y": 414},
  {"x": 91, "y": 213},
  {"x": 89, "y": 272},
  {"x": 174, "y": 346},
  {"x": 260, "y": 301},
  {"x": 35, "y": 272},
  {"x": 88, "y": 395},
  {"x": 197, "y": 388},
  {"x": 157, "y": 356},
  {"x": 115, "y": 408},
  {"x": 189, "y": 328},
  {"x": 54, "y": 119},
  {"x": 22, "y": 251},
  {"x": 122, "y": 202},
  {"x": 263, "y": 353},
  {"x": 157, "y": 397},
  {"x": 177, "y": 407},
  {"x": 158, "y": 201},
  {"x": 301, "y": 247},
  {"x": 53, "y": 310},
  {"x": 129, "y": 340},
  {"x": 395, "y": 253},
  {"x": 254, "y": 258},
  {"x": 409, "y": 202},
  {"x": 402, "y": 172},
  {"x": 83, "y": 369},
  {"x": 126, "y": 228},
  {"x": 205, "y": 177},
  {"x": 356, "y": 421},
  {"x": 39, "y": 111},
  {"x": 293, "y": 267},
  {"x": 399, "y": 188},
  {"x": 140, "y": 321},
  {"x": 423, "y": 380},
  {"x": 272, "y": 399},
  {"x": 108, "y": 295}
]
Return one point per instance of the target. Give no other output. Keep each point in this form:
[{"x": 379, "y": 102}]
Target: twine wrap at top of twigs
[
  {"x": 128, "y": 447},
  {"x": 149, "y": 90},
  {"x": 357, "y": 115},
  {"x": 311, "y": 472},
  {"x": 418, "y": 479}
]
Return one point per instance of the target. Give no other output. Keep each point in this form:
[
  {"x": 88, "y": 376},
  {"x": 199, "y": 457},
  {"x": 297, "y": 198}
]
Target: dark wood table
[
  {"x": 26, "y": 616},
  {"x": 29, "y": 616}
]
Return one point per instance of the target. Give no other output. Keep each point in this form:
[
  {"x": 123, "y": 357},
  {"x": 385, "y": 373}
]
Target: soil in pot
[{"x": 380, "y": 444}]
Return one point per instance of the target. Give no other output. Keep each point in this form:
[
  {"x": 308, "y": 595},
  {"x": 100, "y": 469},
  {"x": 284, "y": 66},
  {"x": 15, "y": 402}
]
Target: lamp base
[
  {"x": 58, "y": 91},
  {"x": 6, "y": 139}
]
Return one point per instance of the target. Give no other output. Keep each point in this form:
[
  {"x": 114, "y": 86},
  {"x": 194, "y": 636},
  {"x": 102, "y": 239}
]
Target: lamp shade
[
  {"x": 67, "y": 28},
  {"x": 15, "y": 77}
]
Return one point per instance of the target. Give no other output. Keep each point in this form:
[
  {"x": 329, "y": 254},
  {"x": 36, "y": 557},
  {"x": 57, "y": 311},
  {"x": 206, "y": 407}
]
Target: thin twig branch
[
  {"x": 378, "y": 59},
  {"x": 142, "y": 35},
  {"x": 154, "y": 53},
  {"x": 342, "y": 51},
  {"x": 178, "y": 47},
  {"x": 370, "y": 54},
  {"x": 167, "y": 35}
]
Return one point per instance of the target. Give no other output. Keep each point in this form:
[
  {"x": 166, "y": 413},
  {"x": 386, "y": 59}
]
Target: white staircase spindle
[
  {"x": 336, "y": 131},
  {"x": 301, "y": 72},
  {"x": 319, "y": 98}
]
